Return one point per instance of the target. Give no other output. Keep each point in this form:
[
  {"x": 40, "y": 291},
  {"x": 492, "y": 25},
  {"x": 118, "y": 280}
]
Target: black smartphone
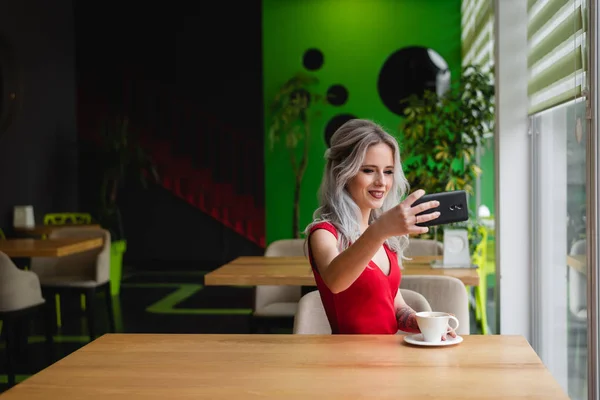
[{"x": 453, "y": 207}]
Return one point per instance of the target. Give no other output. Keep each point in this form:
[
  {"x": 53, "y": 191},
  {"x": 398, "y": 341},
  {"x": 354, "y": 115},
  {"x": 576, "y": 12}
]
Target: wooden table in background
[
  {"x": 40, "y": 230},
  {"x": 296, "y": 271},
  {"x": 173, "y": 366},
  {"x": 24, "y": 248}
]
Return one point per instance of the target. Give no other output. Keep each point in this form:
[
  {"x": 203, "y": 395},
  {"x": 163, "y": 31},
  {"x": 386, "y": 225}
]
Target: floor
[{"x": 150, "y": 302}]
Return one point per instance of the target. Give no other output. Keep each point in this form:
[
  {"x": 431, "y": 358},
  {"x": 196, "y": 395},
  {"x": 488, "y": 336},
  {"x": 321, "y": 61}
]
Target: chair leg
[
  {"x": 261, "y": 325},
  {"x": 20, "y": 332},
  {"x": 49, "y": 329},
  {"x": 257, "y": 325},
  {"x": 480, "y": 301},
  {"x": 253, "y": 325},
  {"x": 109, "y": 307},
  {"x": 50, "y": 316},
  {"x": 58, "y": 313},
  {"x": 8, "y": 333},
  {"x": 477, "y": 308},
  {"x": 89, "y": 311}
]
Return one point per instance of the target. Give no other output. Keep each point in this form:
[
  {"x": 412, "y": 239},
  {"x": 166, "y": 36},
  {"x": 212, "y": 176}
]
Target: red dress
[{"x": 367, "y": 306}]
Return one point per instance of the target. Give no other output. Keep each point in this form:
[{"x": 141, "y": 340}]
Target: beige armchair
[
  {"x": 83, "y": 273},
  {"x": 273, "y": 303},
  {"x": 444, "y": 293},
  {"x": 312, "y": 320},
  {"x": 20, "y": 299},
  {"x": 424, "y": 247}
]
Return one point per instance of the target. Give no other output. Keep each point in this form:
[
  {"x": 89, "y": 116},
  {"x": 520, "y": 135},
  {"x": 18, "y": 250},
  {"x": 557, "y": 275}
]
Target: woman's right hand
[{"x": 402, "y": 219}]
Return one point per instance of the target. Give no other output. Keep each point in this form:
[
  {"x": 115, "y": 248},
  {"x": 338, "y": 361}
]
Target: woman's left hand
[{"x": 450, "y": 331}]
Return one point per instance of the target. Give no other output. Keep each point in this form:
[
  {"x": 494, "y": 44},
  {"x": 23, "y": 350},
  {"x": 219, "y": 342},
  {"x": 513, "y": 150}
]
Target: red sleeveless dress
[{"x": 367, "y": 306}]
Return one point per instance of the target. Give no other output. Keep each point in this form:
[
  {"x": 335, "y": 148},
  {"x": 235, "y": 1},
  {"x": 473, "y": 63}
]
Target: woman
[{"x": 361, "y": 229}]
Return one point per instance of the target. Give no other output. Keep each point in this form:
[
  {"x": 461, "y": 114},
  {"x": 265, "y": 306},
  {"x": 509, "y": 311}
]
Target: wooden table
[
  {"x": 40, "y": 230},
  {"x": 23, "y": 248},
  {"x": 296, "y": 271},
  {"x": 172, "y": 366}
]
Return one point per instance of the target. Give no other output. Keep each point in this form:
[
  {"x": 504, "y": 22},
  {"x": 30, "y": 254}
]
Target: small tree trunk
[
  {"x": 296, "y": 217},
  {"x": 299, "y": 175}
]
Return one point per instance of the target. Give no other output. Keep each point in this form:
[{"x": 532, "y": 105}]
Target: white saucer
[{"x": 418, "y": 341}]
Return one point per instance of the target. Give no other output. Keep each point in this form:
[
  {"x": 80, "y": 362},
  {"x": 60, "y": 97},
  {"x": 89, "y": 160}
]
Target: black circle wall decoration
[
  {"x": 333, "y": 125},
  {"x": 411, "y": 70},
  {"x": 313, "y": 59},
  {"x": 337, "y": 95}
]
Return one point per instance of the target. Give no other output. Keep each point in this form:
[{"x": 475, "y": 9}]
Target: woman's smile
[{"x": 378, "y": 194}]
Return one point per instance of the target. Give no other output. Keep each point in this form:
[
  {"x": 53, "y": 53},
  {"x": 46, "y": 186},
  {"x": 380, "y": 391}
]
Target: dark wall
[
  {"x": 212, "y": 60},
  {"x": 38, "y": 159},
  {"x": 211, "y": 55},
  {"x": 165, "y": 233}
]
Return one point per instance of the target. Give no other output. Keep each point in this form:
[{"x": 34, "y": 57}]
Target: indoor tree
[
  {"x": 291, "y": 115},
  {"x": 121, "y": 160},
  {"x": 441, "y": 134}
]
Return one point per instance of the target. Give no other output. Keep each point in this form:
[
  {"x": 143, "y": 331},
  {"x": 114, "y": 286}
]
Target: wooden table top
[
  {"x": 173, "y": 366},
  {"x": 296, "y": 271},
  {"x": 39, "y": 230},
  {"x": 49, "y": 247}
]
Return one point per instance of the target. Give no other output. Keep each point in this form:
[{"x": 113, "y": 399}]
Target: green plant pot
[{"x": 117, "y": 249}]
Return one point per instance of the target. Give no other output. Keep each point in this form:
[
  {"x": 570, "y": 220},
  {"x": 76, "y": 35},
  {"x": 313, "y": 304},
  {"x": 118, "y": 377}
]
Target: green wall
[{"x": 356, "y": 37}]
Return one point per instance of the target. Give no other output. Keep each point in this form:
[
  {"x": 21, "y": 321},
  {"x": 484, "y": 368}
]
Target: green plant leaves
[
  {"x": 440, "y": 134},
  {"x": 413, "y": 160},
  {"x": 457, "y": 166},
  {"x": 291, "y": 111},
  {"x": 447, "y": 129},
  {"x": 431, "y": 162}
]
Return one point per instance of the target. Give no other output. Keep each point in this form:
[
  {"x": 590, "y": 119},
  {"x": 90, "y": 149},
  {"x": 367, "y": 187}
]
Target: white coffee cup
[{"x": 434, "y": 325}]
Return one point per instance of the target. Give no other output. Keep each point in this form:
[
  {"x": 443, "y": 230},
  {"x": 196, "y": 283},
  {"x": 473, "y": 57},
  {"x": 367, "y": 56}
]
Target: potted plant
[
  {"x": 441, "y": 134},
  {"x": 122, "y": 160},
  {"x": 291, "y": 113}
]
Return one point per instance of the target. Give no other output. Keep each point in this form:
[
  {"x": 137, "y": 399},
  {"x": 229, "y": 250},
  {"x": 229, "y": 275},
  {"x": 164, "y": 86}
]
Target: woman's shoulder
[{"x": 323, "y": 225}]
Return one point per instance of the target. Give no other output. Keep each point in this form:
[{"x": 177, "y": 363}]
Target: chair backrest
[
  {"x": 266, "y": 295},
  {"x": 311, "y": 318},
  {"x": 286, "y": 247},
  {"x": 444, "y": 293},
  {"x": 424, "y": 247},
  {"x": 67, "y": 218},
  {"x": 415, "y": 300},
  {"x": 91, "y": 265},
  {"x": 8, "y": 269},
  {"x": 18, "y": 289}
]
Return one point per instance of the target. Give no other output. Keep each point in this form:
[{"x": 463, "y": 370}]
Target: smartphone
[{"x": 453, "y": 207}]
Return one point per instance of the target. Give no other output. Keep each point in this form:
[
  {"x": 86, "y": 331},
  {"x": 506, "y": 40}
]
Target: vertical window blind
[
  {"x": 477, "y": 22},
  {"x": 556, "y": 59}
]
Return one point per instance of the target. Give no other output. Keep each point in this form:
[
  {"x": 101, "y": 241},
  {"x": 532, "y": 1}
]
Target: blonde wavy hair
[{"x": 344, "y": 158}]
